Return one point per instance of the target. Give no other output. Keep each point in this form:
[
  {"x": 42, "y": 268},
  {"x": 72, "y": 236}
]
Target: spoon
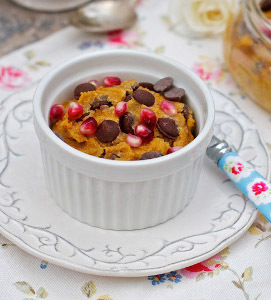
[
  {"x": 104, "y": 15},
  {"x": 254, "y": 186}
]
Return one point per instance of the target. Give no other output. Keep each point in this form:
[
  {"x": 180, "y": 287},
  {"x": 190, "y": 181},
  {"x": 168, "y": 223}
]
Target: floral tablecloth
[{"x": 241, "y": 271}]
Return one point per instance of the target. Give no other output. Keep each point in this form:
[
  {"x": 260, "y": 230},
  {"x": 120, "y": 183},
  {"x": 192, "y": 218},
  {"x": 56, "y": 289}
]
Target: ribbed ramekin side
[{"x": 119, "y": 205}]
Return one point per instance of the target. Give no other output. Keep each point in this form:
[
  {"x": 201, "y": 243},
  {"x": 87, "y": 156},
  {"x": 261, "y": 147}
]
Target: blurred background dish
[
  {"x": 51, "y": 5},
  {"x": 248, "y": 50}
]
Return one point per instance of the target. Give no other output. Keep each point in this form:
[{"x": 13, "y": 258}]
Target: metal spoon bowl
[{"x": 104, "y": 15}]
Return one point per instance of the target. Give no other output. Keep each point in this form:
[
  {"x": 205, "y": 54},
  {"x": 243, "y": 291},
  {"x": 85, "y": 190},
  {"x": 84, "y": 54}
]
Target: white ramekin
[{"x": 121, "y": 195}]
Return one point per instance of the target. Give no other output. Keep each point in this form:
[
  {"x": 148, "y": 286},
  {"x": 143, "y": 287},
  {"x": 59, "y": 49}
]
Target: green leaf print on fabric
[
  {"x": 241, "y": 280},
  {"x": 238, "y": 285},
  {"x": 105, "y": 297},
  {"x": 28, "y": 290},
  {"x": 247, "y": 275},
  {"x": 261, "y": 227},
  {"x": 6, "y": 245},
  {"x": 89, "y": 289},
  {"x": 42, "y": 293},
  {"x": 32, "y": 64},
  {"x": 24, "y": 287}
]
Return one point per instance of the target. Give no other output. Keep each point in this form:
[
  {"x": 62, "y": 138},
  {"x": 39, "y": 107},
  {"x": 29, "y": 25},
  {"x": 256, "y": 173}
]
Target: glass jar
[{"x": 247, "y": 49}]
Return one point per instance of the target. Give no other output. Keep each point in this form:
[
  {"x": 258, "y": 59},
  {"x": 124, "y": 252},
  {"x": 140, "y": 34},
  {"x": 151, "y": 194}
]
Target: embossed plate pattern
[{"x": 217, "y": 216}]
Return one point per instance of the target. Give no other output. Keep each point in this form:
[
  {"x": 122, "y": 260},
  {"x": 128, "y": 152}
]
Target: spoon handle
[{"x": 253, "y": 185}]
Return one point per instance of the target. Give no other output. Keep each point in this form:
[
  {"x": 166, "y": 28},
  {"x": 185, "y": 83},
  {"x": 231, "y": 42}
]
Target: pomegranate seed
[
  {"x": 121, "y": 108},
  {"x": 148, "y": 117},
  {"x": 57, "y": 112},
  {"x": 169, "y": 108},
  {"x": 95, "y": 83},
  {"x": 89, "y": 126},
  {"x": 111, "y": 81},
  {"x": 75, "y": 111},
  {"x": 266, "y": 31},
  {"x": 174, "y": 149},
  {"x": 144, "y": 133},
  {"x": 134, "y": 141}
]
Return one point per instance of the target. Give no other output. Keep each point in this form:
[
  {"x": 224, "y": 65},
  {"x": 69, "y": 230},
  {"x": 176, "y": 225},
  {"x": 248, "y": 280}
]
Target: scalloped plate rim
[{"x": 179, "y": 265}]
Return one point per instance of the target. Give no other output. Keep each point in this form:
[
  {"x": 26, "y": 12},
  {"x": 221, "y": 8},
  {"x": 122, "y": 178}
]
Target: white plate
[{"x": 217, "y": 216}]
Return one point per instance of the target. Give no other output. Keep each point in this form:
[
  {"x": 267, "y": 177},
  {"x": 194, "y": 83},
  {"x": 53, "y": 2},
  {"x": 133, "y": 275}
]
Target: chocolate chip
[
  {"x": 59, "y": 136},
  {"x": 150, "y": 155},
  {"x": 82, "y": 117},
  {"x": 163, "y": 85},
  {"x": 174, "y": 94},
  {"x": 186, "y": 112},
  {"x": 82, "y": 88},
  {"x": 107, "y": 131},
  {"x": 126, "y": 123},
  {"x": 128, "y": 98},
  {"x": 146, "y": 85},
  {"x": 103, "y": 154},
  {"x": 168, "y": 128},
  {"x": 266, "y": 5},
  {"x": 113, "y": 156},
  {"x": 98, "y": 102},
  {"x": 144, "y": 97}
]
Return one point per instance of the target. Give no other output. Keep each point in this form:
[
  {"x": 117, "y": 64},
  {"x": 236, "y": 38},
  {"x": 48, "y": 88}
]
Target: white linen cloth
[{"x": 242, "y": 271}]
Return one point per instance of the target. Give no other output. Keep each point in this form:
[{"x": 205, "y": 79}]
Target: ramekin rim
[{"x": 116, "y": 163}]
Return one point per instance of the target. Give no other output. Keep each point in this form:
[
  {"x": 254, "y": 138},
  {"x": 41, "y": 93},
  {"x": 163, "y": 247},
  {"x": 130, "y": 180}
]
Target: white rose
[{"x": 201, "y": 17}]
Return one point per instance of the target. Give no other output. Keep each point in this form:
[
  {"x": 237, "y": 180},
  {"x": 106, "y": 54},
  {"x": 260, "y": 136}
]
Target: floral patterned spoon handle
[{"x": 254, "y": 186}]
